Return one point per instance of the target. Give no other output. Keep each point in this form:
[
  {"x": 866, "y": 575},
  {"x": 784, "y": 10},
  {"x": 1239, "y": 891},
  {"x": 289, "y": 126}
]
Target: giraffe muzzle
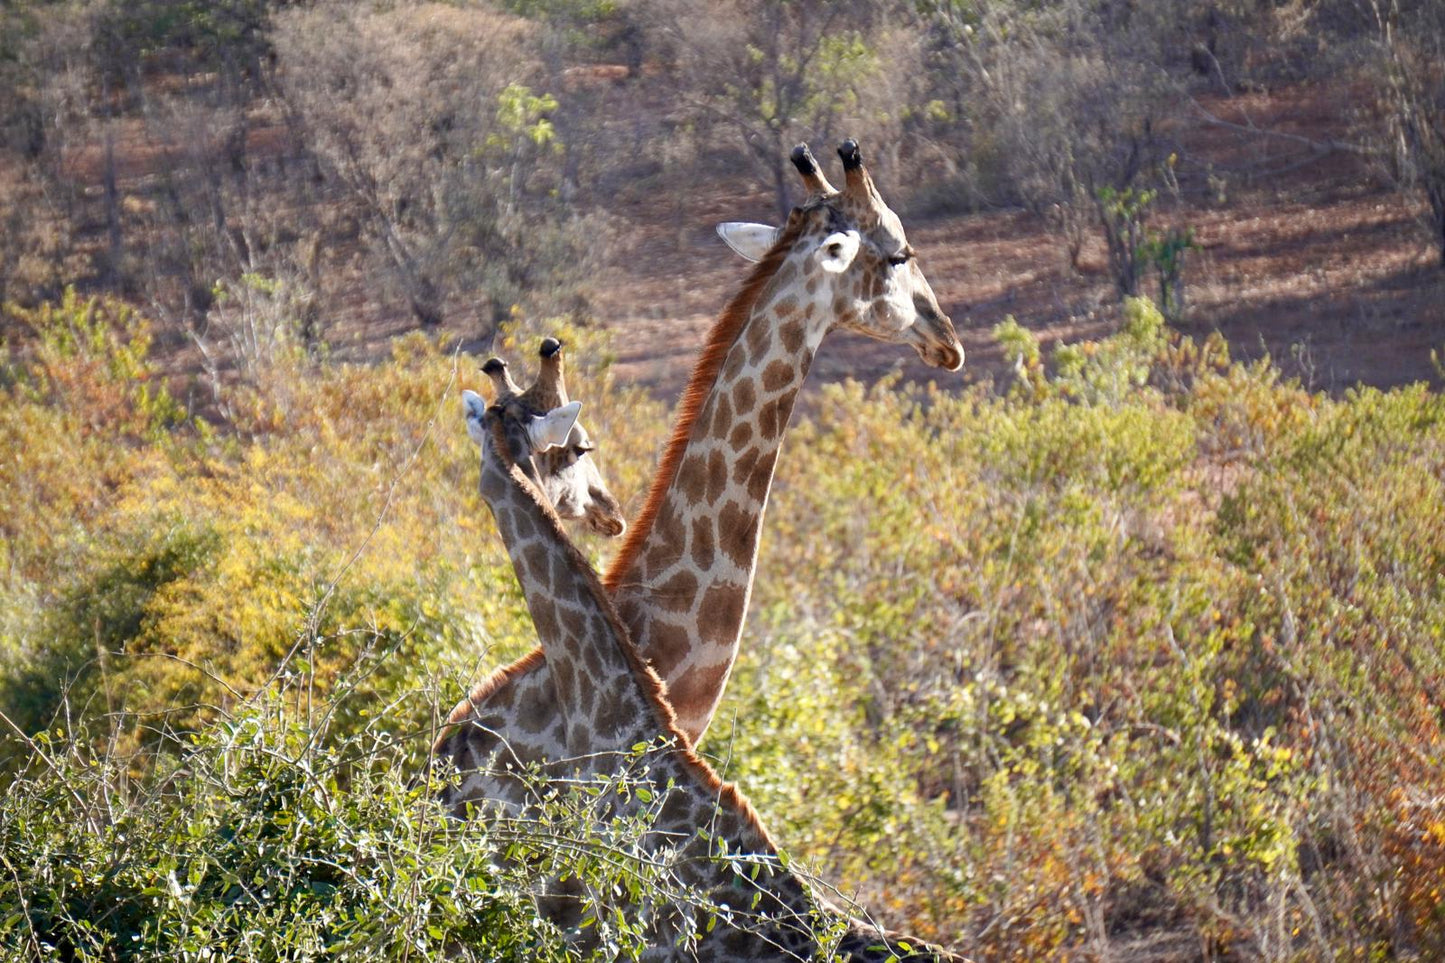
[
  {"x": 604, "y": 514},
  {"x": 936, "y": 343}
]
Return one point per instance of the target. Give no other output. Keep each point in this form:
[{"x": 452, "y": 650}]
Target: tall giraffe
[
  {"x": 749, "y": 904},
  {"x": 683, "y": 576}
]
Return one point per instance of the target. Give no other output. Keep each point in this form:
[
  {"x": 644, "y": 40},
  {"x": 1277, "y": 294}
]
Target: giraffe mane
[
  {"x": 483, "y": 690},
  {"x": 720, "y": 339}
]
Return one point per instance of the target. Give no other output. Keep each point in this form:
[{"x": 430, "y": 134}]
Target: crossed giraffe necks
[
  {"x": 600, "y": 698},
  {"x": 682, "y": 579},
  {"x": 609, "y": 700}
]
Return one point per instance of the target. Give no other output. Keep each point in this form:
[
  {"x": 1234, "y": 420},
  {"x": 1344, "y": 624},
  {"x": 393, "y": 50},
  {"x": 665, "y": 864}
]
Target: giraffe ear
[
  {"x": 473, "y": 407},
  {"x": 751, "y": 241},
  {"x": 551, "y": 430},
  {"x": 838, "y": 251}
]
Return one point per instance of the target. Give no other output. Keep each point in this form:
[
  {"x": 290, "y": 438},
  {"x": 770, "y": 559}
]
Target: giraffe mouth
[
  {"x": 602, "y": 525},
  {"x": 604, "y": 514},
  {"x": 940, "y": 347},
  {"x": 933, "y": 337},
  {"x": 949, "y": 358}
]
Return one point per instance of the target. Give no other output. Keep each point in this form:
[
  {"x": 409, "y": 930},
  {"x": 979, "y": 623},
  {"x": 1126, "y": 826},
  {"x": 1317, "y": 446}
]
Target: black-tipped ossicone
[{"x": 802, "y": 159}]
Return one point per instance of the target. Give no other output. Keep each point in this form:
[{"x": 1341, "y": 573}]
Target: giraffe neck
[
  {"x": 682, "y": 587},
  {"x": 600, "y": 697}
]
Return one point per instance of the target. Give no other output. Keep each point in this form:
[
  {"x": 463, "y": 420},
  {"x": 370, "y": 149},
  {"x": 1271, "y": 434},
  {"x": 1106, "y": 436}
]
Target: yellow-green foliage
[
  {"x": 159, "y": 564},
  {"x": 1149, "y": 643},
  {"x": 1152, "y": 642}
]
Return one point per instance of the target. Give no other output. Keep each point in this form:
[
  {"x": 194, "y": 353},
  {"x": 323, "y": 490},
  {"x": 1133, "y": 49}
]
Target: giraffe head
[
  {"x": 562, "y": 467},
  {"x": 852, "y": 260}
]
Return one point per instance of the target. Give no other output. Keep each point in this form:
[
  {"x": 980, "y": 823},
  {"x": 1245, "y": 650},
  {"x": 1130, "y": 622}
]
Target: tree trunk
[
  {"x": 780, "y": 192},
  {"x": 112, "y": 207},
  {"x": 1437, "y": 208}
]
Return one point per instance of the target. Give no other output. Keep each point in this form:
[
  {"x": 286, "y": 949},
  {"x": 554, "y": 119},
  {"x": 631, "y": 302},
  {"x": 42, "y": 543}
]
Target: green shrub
[
  {"x": 1150, "y": 642},
  {"x": 254, "y": 843}
]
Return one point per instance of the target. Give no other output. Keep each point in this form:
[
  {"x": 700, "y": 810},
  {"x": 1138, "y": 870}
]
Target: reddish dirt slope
[{"x": 1303, "y": 256}]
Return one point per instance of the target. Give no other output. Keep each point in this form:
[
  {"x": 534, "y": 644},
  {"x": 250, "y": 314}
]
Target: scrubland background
[{"x": 1126, "y": 646}]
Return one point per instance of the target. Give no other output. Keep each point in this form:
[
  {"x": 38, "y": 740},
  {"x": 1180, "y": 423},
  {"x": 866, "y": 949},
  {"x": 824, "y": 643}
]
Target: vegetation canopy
[{"x": 1157, "y": 660}]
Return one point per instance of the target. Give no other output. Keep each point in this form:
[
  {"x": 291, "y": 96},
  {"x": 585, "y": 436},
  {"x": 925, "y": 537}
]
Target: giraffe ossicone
[
  {"x": 566, "y": 471},
  {"x": 549, "y": 430}
]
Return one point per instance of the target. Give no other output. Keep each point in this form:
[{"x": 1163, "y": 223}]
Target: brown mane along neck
[{"x": 720, "y": 339}]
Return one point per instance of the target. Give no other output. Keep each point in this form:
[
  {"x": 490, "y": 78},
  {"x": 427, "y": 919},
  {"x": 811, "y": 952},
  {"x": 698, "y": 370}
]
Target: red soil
[{"x": 1305, "y": 258}]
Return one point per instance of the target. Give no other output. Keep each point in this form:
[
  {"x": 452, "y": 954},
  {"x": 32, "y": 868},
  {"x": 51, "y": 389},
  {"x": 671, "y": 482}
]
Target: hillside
[
  {"x": 217, "y": 194},
  {"x": 1303, "y": 257}
]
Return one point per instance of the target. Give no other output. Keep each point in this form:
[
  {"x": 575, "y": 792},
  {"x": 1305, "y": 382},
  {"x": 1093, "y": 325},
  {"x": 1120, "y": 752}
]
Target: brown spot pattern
[
  {"x": 535, "y": 715},
  {"x": 762, "y": 476},
  {"x": 758, "y": 338},
  {"x": 670, "y": 645},
  {"x": 544, "y": 615},
  {"x": 743, "y": 467},
  {"x": 697, "y": 687},
  {"x": 723, "y": 417},
  {"x": 534, "y": 561},
  {"x": 692, "y": 477},
  {"x": 741, "y": 435},
  {"x": 777, "y": 375},
  {"x": 792, "y": 335},
  {"x": 736, "y": 534},
  {"x": 723, "y": 602},
  {"x": 745, "y": 396},
  {"x": 702, "y": 543},
  {"x": 717, "y": 475},
  {"x": 677, "y": 593}
]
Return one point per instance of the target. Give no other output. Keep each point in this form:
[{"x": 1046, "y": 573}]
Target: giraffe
[
  {"x": 610, "y": 703},
  {"x": 682, "y": 578},
  {"x": 569, "y": 476}
]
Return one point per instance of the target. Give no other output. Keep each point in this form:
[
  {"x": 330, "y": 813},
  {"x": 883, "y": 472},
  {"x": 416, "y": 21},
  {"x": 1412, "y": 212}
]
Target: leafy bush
[
  {"x": 1145, "y": 647},
  {"x": 1109, "y": 655},
  {"x": 254, "y": 843},
  {"x": 163, "y": 566}
]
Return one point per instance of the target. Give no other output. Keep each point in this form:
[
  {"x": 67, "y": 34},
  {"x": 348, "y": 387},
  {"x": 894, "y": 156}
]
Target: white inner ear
[
  {"x": 473, "y": 407},
  {"x": 551, "y": 430},
  {"x": 838, "y": 251},
  {"x": 749, "y": 240}
]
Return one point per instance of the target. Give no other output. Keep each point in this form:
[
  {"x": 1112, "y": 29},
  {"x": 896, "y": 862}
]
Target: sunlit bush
[
  {"x": 1145, "y": 644},
  {"x": 165, "y": 566}
]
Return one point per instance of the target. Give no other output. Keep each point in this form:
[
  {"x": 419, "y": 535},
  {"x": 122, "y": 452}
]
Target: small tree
[
  {"x": 423, "y": 115},
  {"x": 783, "y": 71},
  {"x": 1411, "y": 50},
  {"x": 1122, "y": 214},
  {"x": 1062, "y": 103}
]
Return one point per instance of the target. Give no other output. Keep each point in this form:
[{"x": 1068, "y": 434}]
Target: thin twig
[{"x": 1322, "y": 147}]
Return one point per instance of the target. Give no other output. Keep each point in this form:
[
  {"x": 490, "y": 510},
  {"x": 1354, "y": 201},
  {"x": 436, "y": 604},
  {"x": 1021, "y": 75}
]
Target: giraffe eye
[
  {"x": 580, "y": 450},
  {"x": 900, "y": 259}
]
